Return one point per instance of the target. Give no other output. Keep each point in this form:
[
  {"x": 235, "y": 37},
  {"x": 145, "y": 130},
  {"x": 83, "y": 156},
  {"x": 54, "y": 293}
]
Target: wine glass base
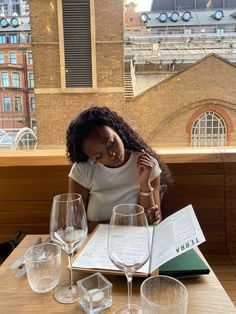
[
  {"x": 66, "y": 294},
  {"x": 124, "y": 309}
]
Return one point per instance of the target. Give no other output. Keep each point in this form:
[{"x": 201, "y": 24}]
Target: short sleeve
[
  {"x": 156, "y": 171},
  {"x": 82, "y": 173}
]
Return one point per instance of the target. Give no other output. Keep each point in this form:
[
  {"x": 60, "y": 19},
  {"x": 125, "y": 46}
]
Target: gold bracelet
[{"x": 147, "y": 193}]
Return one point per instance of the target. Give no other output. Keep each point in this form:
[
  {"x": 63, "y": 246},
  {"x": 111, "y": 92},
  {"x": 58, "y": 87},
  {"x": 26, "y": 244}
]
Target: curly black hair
[{"x": 82, "y": 125}]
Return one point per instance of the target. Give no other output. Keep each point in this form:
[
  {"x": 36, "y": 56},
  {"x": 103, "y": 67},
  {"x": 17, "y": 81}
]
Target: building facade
[
  {"x": 17, "y": 101},
  {"x": 187, "y": 104},
  {"x": 184, "y": 39},
  {"x": 75, "y": 70}
]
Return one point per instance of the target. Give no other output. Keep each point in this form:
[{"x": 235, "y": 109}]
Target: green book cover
[{"x": 184, "y": 265}]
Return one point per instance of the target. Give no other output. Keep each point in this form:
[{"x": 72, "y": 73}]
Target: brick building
[
  {"x": 168, "y": 112},
  {"x": 17, "y": 101},
  {"x": 194, "y": 106},
  {"x": 60, "y": 92}
]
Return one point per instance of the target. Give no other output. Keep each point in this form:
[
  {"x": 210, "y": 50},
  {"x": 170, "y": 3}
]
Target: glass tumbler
[
  {"x": 163, "y": 295},
  {"x": 43, "y": 266}
]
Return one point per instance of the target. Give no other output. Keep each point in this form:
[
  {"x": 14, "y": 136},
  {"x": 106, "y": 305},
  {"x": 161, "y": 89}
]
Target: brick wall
[
  {"x": 56, "y": 107},
  {"x": 54, "y": 112},
  {"x": 162, "y": 113}
]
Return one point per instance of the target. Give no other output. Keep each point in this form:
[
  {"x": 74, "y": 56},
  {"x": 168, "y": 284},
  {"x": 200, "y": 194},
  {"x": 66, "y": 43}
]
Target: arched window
[{"x": 209, "y": 129}]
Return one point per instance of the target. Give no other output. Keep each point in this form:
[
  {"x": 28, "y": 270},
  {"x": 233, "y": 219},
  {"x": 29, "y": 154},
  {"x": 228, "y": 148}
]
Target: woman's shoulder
[
  {"x": 82, "y": 172},
  {"x": 84, "y": 167}
]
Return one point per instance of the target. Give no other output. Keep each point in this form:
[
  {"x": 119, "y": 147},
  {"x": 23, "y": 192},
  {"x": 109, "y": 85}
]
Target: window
[
  {"x": 16, "y": 6},
  {"x": 209, "y": 130},
  {"x": 23, "y": 37},
  {"x": 2, "y": 39},
  {"x": 13, "y": 39},
  {"x": 6, "y": 104},
  {"x": 4, "y": 8},
  {"x": 5, "y": 79},
  {"x": 77, "y": 43},
  {"x": 15, "y": 79},
  {"x": 28, "y": 38},
  {"x": 29, "y": 58},
  {"x": 32, "y": 104},
  {"x": 12, "y": 57},
  {"x": 17, "y": 104},
  {"x": 1, "y": 57},
  {"x": 33, "y": 125},
  {"x": 31, "y": 80}
]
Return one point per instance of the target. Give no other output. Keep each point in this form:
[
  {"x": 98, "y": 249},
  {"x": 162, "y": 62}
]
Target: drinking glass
[
  {"x": 164, "y": 295},
  {"x": 128, "y": 245},
  {"x": 43, "y": 266},
  {"x": 68, "y": 228}
]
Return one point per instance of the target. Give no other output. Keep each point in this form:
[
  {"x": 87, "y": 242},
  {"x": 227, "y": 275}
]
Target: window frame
[
  {"x": 30, "y": 80},
  {"x": 15, "y": 38},
  {"x": 32, "y": 108},
  {"x": 9, "y": 57},
  {"x": 203, "y": 130},
  {"x": 14, "y": 103},
  {"x": 2, "y": 80},
  {"x": 29, "y": 59},
  {"x": 3, "y": 39},
  {"x": 14, "y": 79},
  {"x": 3, "y": 103}
]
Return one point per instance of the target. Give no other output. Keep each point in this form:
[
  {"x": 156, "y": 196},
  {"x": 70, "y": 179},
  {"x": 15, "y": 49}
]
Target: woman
[{"x": 113, "y": 165}]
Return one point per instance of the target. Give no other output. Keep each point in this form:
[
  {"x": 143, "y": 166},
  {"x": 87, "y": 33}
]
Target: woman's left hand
[{"x": 145, "y": 164}]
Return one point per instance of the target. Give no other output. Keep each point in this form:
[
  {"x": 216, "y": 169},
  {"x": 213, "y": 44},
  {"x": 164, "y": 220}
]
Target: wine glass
[
  {"x": 128, "y": 245},
  {"x": 68, "y": 228}
]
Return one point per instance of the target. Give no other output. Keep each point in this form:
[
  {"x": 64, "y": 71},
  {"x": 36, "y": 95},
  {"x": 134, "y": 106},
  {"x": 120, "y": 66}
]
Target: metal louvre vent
[{"x": 77, "y": 43}]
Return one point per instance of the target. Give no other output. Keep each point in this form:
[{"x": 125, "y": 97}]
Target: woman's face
[{"x": 105, "y": 146}]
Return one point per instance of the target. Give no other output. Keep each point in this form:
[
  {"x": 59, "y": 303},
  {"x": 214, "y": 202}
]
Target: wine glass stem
[
  {"x": 129, "y": 283},
  {"x": 70, "y": 267}
]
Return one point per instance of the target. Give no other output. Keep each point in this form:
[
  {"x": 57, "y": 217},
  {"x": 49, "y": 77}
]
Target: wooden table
[{"x": 206, "y": 295}]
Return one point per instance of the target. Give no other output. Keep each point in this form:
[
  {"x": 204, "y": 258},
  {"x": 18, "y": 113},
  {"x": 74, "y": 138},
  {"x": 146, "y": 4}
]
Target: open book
[{"x": 175, "y": 235}]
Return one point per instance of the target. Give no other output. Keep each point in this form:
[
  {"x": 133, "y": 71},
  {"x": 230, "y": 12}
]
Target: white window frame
[
  {"x": 9, "y": 56},
  {"x": 30, "y": 80},
  {"x": 3, "y": 103},
  {"x": 29, "y": 59},
  {"x": 13, "y": 80},
  {"x": 30, "y": 101},
  {"x": 14, "y": 103},
  {"x": 7, "y": 79},
  {"x": 207, "y": 132}
]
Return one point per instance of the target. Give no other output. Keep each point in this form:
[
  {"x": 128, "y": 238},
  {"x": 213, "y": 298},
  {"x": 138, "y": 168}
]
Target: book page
[
  {"x": 95, "y": 253},
  {"x": 175, "y": 235}
]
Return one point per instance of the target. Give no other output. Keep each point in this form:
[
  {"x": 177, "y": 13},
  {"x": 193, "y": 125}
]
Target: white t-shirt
[{"x": 109, "y": 186}]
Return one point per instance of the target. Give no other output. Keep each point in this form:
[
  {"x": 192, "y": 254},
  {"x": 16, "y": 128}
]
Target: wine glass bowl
[
  {"x": 128, "y": 245},
  {"x": 68, "y": 228}
]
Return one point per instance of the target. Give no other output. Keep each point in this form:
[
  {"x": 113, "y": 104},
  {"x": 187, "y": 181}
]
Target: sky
[{"x": 142, "y": 5}]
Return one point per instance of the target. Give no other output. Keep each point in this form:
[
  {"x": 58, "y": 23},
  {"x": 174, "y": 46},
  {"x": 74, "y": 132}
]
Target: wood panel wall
[{"x": 207, "y": 180}]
